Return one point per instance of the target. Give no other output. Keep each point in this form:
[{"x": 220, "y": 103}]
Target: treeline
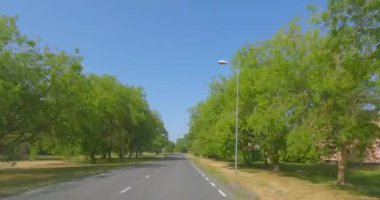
[
  {"x": 48, "y": 105},
  {"x": 303, "y": 95}
]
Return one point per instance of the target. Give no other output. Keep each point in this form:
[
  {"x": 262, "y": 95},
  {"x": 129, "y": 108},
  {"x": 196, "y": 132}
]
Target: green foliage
[
  {"x": 301, "y": 147},
  {"x": 48, "y": 103},
  {"x": 303, "y": 94},
  {"x": 180, "y": 146},
  {"x": 170, "y": 146}
]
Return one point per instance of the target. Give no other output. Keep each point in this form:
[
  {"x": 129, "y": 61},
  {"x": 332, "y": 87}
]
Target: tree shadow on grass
[
  {"x": 361, "y": 180},
  {"x": 364, "y": 181}
]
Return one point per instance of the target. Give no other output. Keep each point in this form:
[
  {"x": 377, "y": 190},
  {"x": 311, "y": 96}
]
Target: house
[{"x": 372, "y": 155}]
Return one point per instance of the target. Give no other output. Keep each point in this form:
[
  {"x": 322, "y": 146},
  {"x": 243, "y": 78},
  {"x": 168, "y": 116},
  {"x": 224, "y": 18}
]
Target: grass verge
[
  {"x": 20, "y": 179},
  {"x": 297, "y": 181}
]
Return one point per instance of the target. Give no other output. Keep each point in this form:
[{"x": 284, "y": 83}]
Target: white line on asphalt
[
  {"x": 147, "y": 176},
  {"x": 196, "y": 168},
  {"x": 35, "y": 191},
  {"x": 162, "y": 167},
  {"x": 211, "y": 183},
  {"x": 125, "y": 190},
  {"x": 222, "y": 193},
  {"x": 101, "y": 175}
]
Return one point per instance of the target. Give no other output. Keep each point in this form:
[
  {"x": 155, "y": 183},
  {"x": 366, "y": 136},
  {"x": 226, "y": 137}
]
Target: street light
[{"x": 223, "y": 62}]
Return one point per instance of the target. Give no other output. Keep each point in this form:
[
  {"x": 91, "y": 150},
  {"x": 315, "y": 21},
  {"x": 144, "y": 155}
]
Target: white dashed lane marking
[
  {"x": 222, "y": 193},
  {"x": 125, "y": 190},
  {"x": 147, "y": 176},
  {"x": 213, "y": 185}
]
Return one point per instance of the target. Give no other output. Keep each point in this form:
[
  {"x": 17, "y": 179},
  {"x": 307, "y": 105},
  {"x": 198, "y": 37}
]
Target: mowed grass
[
  {"x": 17, "y": 180},
  {"x": 366, "y": 182},
  {"x": 297, "y": 181},
  {"x": 363, "y": 180}
]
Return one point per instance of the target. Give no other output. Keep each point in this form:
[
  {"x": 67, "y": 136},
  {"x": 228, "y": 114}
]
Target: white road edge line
[
  {"x": 147, "y": 176},
  {"x": 211, "y": 183},
  {"x": 125, "y": 190},
  {"x": 34, "y": 191},
  {"x": 222, "y": 193},
  {"x": 196, "y": 168}
]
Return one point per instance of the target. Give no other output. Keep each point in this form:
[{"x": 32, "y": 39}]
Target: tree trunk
[
  {"x": 342, "y": 162},
  {"x": 122, "y": 155},
  {"x": 104, "y": 155},
  {"x": 136, "y": 154},
  {"x": 109, "y": 156},
  {"x": 276, "y": 163},
  {"x": 92, "y": 157},
  {"x": 130, "y": 154},
  {"x": 265, "y": 159}
]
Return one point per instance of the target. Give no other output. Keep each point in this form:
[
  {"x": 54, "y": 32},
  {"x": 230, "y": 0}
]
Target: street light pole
[
  {"x": 237, "y": 119},
  {"x": 223, "y": 62}
]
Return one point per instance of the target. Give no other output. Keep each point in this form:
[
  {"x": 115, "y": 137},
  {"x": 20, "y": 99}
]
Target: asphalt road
[{"x": 174, "y": 178}]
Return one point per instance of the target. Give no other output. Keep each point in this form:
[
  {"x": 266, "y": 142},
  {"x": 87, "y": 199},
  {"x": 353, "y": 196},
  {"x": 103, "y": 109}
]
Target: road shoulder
[{"x": 234, "y": 189}]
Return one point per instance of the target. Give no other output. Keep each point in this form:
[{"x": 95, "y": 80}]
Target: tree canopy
[
  {"x": 303, "y": 94},
  {"x": 47, "y": 103}
]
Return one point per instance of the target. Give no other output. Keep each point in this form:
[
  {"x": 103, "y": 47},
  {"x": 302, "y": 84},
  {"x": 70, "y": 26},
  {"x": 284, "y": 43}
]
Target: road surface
[{"x": 174, "y": 178}]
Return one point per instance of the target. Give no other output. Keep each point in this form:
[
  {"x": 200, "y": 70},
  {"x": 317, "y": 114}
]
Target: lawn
[
  {"x": 363, "y": 180},
  {"x": 27, "y": 175},
  {"x": 297, "y": 181}
]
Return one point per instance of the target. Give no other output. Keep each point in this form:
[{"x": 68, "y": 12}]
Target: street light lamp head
[{"x": 222, "y": 62}]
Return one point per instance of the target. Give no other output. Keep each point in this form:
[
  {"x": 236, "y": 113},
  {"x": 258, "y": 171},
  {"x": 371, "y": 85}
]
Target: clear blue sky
[{"x": 169, "y": 47}]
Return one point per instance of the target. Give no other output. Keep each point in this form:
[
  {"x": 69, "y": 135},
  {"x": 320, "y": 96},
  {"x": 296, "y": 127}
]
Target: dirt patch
[{"x": 268, "y": 185}]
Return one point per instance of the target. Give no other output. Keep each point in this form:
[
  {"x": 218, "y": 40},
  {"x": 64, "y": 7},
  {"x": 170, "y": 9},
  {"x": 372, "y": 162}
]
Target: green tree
[
  {"x": 31, "y": 82},
  {"x": 170, "y": 146},
  {"x": 346, "y": 85},
  {"x": 319, "y": 86},
  {"x": 180, "y": 146},
  {"x": 48, "y": 105}
]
